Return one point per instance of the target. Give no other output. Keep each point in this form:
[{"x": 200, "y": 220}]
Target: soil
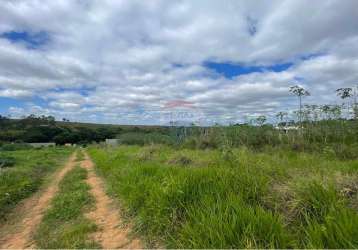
[
  {"x": 112, "y": 232},
  {"x": 28, "y": 214}
]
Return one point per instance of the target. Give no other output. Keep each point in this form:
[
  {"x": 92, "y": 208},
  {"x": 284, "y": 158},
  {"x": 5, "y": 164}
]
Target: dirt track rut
[
  {"x": 111, "y": 233},
  {"x": 32, "y": 210}
]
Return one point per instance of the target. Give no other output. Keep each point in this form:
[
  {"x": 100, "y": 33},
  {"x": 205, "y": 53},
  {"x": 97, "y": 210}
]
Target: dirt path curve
[
  {"x": 111, "y": 234},
  {"x": 33, "y": 209}
]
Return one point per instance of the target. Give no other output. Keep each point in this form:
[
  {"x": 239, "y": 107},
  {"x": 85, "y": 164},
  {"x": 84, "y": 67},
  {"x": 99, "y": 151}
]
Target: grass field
[
  {"x": 26, "y": 171},
  {"x": 234, "y": 198}
]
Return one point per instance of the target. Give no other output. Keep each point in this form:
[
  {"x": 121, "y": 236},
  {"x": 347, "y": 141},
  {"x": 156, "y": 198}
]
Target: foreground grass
[
  {"x": 28, "y": 172},
  {"x": 64, "y": 225},
  {"x": 234, "y": 198}
]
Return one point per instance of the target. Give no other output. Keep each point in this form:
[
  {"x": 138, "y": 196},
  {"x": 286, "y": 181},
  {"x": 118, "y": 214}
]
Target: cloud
[
  {"x": 14, "y": 93},
  {"x": 121, "y": 61}
]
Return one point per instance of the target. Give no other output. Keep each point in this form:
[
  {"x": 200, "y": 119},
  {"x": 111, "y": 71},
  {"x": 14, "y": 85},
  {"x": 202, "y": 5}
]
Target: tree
[
  {"x": 349, "y": 93},
  {"x": 336, "y": 111},
  {"x": 261, "y": 120},
  {"x": 315, "y": 112},
  {"x": 281, "y": 115},
  {"x": 4, "y": 121},
  {"x": 345, "y": 93},
  {"x": 299, "y": 92},
  {"x": 326, "y": 109}
]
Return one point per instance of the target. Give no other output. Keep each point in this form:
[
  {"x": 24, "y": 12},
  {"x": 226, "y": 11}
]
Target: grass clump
[
  {"x": 27, "y": 173},
  {"x": 180, "y": 160},
  {"x": 326, "y": 220},
  {"x": 338, "y": 229},
  {"x": 64, "y": 225},
  {"x": 230, "y": 223},
  {"x": 7, "y": 161}
]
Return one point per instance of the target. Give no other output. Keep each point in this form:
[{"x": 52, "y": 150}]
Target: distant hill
[{"x": 47, "y": 129}]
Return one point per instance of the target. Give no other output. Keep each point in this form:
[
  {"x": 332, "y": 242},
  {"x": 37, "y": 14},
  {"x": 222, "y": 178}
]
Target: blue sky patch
[
  {"x": 230, "y": 70},
  {"x": 6, "y": 103},
  {"x": 31, "y": 40},
  {"x": 83, "y": 90}
]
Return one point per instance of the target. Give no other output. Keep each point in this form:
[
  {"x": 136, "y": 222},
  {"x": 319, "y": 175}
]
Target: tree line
[{"x": 45, "y": 129}]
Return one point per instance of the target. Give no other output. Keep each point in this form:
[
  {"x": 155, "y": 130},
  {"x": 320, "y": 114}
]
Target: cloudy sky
[{"x": 131, "y": 61}]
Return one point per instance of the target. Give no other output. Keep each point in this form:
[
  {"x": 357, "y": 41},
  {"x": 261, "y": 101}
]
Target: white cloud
[
  {"x": 132, "y": 56},
  {"x": 14, "y": 93}
]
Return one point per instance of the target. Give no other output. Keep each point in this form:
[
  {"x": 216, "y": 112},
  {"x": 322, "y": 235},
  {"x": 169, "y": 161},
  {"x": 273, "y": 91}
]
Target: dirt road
[
  {"x": 31, "y": 211},
  {"x": 111, "y": 233}
]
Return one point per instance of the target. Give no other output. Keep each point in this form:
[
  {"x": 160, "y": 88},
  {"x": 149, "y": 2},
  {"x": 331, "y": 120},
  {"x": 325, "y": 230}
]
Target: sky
[{"x": 149, "y": 62}]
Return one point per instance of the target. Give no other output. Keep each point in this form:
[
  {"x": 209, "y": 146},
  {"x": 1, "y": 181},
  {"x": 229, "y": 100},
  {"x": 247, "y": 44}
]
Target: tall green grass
[
  {"x": 64, "y": 225},
  {"x": 235, "y": 199},
  {"x": 27, "y": 174},
  {"x": 326, "y": 220}
]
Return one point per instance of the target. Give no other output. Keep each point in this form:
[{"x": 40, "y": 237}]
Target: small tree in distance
[
  {"x": 261, "y": 120},
  {"x": 299, "y": 92},
  {"x": 345, "y": 93},
  {"x": 281, "y": 115}
]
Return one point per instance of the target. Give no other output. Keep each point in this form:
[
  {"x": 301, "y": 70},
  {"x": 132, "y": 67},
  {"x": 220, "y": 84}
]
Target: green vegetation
[
  {"x": 80, "y": 156},
  {"x": 313, "y": 127},
  {"x": 23, "y": 172},
  {"x": 235, "y": 197},
  {"x": 141, "y": 138},
  {"x": 64, "y": 225},
  {"x": 285, "y": 184},
  {"x": 7, "y": 161},
  {"x": 46, "y": 129}
]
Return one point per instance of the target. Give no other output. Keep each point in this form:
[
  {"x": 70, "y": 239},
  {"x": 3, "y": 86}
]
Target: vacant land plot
[{"x": 234, "y": 198}]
